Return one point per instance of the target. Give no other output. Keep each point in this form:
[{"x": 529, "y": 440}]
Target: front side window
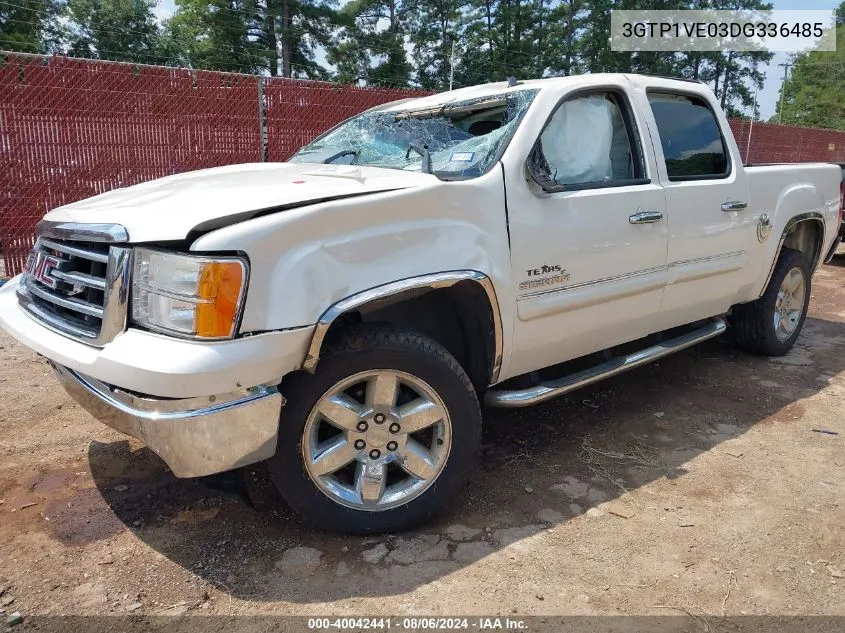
[
  {"x": 587, "y": 142},
  {"x": 689, "y": 133},
  {"x": 462, "y": 139}
]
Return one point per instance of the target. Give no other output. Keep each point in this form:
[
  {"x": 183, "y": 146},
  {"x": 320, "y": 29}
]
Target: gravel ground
[{"x": 708, "y": 484}]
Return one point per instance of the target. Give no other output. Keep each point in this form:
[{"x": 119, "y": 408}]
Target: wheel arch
[
  {"x": 805, "y": 233},
  {"x": 462, "y": 287}
]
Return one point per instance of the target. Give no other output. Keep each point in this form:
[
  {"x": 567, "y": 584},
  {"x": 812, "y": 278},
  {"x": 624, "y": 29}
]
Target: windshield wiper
[
  {"x": 341, "y": 154},
  {"x": 422, "y": 151}
]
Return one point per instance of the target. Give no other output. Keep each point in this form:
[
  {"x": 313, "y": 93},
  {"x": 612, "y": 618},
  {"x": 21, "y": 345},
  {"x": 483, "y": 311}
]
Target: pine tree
[
  {"x": 437, "y": 27},
  {"x": 293, "y": 31},
  {"x": 215, "y": 35},
  {"x": 370, "y": 45}
]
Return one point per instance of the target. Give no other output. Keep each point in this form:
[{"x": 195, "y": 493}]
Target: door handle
[
  {"x": 645, "y": 217},
  {"x": 734, "y": 205}
]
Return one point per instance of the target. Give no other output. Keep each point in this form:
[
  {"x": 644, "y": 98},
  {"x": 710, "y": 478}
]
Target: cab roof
[{"x": 503, "y": 87}]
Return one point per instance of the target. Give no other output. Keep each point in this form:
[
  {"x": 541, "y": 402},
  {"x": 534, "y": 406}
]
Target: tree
[
  {"x": 120, "y": 30},
  {"x": 370, "y": 46},
  {"x": 503, "y": 38},
  {"x": 436, "y": 27},
  {"x": 736, "y": 75},
  {"x": 741, "y": 78},
  {"x": 813, "y": 94},
  {"x": 293, "y": 29},
  {"x": 476, "y": 53},
  {"x": 215, "y": 35},
  {"x": 276, "y": 37},
  {"x": 565, "y": 23},
  {"x": 29, "y": 26}
]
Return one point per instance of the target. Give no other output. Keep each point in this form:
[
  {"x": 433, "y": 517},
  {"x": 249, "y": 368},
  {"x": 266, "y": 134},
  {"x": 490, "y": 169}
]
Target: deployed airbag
[{"x": 578, "y": 139}]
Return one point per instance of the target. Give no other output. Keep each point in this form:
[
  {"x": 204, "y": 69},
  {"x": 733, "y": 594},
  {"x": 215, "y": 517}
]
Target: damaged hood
[{"x": 168, "y": 208}]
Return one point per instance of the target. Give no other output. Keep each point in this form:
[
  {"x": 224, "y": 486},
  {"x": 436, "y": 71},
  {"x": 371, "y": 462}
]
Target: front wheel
[
  {"x": 771, "y": 324},
  {"x": 383, "y": 436}
]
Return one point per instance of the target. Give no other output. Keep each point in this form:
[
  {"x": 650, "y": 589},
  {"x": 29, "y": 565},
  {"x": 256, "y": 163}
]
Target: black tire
[
  {"x": 361, "y": 348},
  {"x": 753, "y": 323}
]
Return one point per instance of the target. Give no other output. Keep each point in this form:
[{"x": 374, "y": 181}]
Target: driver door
[{"x": 589, "y": 233}]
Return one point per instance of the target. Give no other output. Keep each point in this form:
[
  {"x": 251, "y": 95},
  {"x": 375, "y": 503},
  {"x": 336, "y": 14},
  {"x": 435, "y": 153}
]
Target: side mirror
[{"x": 538, "y": 170}]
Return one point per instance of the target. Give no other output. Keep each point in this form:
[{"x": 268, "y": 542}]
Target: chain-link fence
[{"x": 72, "y": 128}]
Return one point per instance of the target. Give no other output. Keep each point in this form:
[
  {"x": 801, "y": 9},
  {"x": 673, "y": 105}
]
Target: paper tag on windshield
[{"x": 462, "y": 157}]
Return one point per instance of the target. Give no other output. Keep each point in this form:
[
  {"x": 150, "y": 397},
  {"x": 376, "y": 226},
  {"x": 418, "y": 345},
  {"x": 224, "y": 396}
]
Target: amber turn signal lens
[{"x": 219, "y": 290}]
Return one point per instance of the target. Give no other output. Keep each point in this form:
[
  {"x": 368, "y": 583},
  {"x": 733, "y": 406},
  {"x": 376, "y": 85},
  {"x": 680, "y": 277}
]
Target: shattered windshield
[{"x": 456, "y": 140}]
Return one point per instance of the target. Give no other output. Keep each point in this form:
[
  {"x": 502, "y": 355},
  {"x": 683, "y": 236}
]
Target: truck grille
[{"x": 78, "y": 288}]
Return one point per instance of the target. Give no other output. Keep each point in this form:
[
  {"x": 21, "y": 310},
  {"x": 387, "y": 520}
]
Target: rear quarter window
[{"x": 692, "y": 142}]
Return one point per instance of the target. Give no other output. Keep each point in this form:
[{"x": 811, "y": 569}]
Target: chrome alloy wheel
[
  {"x": 376, "y": 440},
  {"x": 789, "y": 304}
]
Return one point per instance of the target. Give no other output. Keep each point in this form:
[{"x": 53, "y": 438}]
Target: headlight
[{"x": 187, "y": 295}]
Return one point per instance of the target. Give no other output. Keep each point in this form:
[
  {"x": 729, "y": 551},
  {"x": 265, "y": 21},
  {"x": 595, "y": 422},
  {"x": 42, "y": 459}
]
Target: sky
[{"x": 768, "y": 95}]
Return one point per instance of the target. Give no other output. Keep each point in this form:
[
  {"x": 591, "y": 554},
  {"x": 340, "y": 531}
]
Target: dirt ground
[{"x": 710, "y": 483}]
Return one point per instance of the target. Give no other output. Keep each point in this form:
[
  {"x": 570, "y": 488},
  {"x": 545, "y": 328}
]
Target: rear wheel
[
  {"x": 381, "y": 437},
  {"x": 771, "y": 324}
]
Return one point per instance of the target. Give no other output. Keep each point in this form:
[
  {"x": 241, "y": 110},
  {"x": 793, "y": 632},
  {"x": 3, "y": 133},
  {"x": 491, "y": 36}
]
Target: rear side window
[{"x": 689, "y": 133}]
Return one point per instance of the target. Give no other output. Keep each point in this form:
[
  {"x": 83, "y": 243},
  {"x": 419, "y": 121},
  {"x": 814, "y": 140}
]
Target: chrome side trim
[
  {"x": 801, "y": 217},
  {"x": 636, "y": 273},
  {"x": 195, "y": 436},
  {"x": 433, "y": 281},
  {"x": 552, "y": 389},
  {"x": 704, "y": 267},
  {"x": 108, "y": 233},
  {"x": 708, "y": 258}
]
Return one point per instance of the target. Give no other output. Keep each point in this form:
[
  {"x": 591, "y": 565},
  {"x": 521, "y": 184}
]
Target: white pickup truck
[{"x": 343, "y": 315}]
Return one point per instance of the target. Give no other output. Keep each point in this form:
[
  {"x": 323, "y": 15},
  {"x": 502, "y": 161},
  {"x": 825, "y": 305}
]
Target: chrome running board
[{"x": 554, "y": 388}]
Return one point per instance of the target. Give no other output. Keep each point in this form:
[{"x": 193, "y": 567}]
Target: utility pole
[
  {"x": 452, "y": 66},
  {"x": 751, "y": 127},
  {"x": 786, "y": 68}
]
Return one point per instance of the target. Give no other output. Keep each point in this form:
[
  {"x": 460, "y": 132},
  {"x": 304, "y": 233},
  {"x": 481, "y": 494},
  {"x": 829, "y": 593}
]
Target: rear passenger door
[{"x": 706, "y": 193}]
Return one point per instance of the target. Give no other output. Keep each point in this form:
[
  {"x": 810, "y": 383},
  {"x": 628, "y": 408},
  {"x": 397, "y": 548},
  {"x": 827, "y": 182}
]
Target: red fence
[
  {"x": 71, "y": 128},
  {"x": 783, "y": 144}
]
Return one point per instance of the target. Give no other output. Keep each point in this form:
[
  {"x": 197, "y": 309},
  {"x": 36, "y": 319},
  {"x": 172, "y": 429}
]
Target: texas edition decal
[{"x": 544, "y": 276}]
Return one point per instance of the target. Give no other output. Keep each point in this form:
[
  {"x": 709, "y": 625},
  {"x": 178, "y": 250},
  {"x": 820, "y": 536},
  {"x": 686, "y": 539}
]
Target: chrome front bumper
[{"x": 194, "y": 436}]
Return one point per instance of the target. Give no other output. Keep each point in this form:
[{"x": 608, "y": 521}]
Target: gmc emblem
[{"x": 39, "y": 265}]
